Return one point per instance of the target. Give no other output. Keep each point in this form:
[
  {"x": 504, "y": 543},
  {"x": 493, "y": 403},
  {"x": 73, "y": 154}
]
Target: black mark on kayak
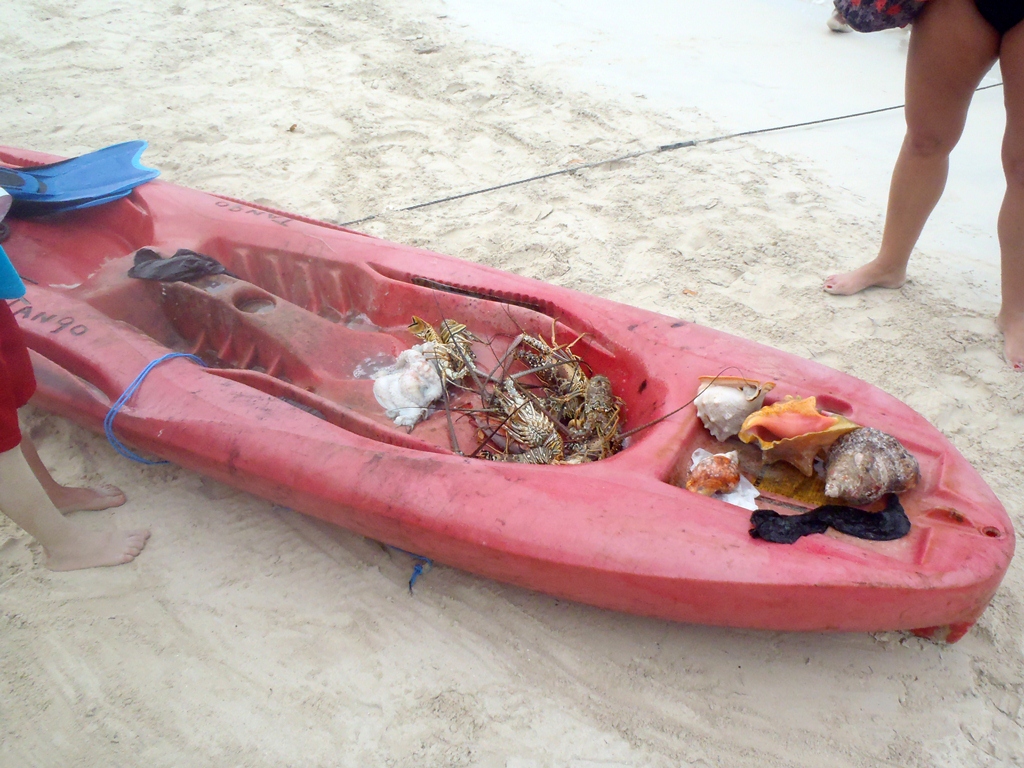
[
  {"x": 236, "y": 208},
  {"x": 65, "y": 323},
  {"x": 478, "y": 293}
]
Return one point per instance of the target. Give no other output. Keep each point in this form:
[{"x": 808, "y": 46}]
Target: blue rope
[
  {"x": 421, "y": 565},
  {"x": 108, "y": 420}
]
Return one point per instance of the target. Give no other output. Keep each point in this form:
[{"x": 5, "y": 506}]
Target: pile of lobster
[{"x": 537, "y": 406}]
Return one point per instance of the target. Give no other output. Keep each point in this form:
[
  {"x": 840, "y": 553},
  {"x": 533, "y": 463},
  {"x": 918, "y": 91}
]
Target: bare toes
[
  {"x": 72, "y": 499},
  {"x": 111, "y": 491},
  {"x": 138, "y": 539}
]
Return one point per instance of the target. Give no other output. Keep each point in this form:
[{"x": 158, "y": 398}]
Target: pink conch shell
[
  {"x": 794, "y": 431},
  {"x": 723, "y": 402}
]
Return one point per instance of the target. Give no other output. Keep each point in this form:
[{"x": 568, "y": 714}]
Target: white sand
[
  {"x": 754, "y": 64},
  {"x": 251, "y": 635}
]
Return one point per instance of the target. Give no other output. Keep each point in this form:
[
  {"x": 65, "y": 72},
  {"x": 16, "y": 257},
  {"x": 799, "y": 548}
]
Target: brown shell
[
  {"x": 754, "y": 386},
  {"x": 865, "y": 465},
  {"x": 718, "y": 473}
]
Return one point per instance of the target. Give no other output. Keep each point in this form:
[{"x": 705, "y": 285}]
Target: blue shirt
[{"x": 11, "y": 286}]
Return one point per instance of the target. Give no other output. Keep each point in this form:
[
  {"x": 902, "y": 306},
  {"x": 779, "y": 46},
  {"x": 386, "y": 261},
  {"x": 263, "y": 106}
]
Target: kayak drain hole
[
  {"x": 992, "y": 533},
  {"x": 254, "y": 305}
]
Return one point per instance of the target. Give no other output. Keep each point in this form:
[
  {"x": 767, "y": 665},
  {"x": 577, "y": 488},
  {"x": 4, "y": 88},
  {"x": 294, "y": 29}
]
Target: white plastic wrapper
[
  {"x": 744, "y": 494},
  {"x": 406, "y": 389}
]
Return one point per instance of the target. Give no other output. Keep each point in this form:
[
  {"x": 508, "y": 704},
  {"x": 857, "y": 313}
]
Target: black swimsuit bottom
[{"x": 1004, "y": 15}]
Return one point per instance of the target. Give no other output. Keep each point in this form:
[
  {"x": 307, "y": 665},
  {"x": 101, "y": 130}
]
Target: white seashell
[
  {"x": 406, "y": 388},
  {"x": 724, "y": 404}
]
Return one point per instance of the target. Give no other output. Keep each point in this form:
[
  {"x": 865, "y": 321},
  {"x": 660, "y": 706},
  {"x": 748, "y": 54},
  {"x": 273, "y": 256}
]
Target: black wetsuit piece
[
  {"x": 891, "y": 523},
  {"x": 1004, "y": 15},
  {"x": 183, "y": 266}
]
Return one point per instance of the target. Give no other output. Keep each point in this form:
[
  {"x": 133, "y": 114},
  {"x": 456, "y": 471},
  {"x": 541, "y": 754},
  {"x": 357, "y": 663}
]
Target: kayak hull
[{"x": 284, "y": 413}]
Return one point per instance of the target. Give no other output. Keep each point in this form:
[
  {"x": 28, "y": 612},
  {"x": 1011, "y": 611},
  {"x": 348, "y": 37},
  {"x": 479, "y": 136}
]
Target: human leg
[
  {"x": 17, "y": 385},
  {"x": 1011, "y": 215},
  {"x": 951, "y": 49},
  {"x": 69, "y": 498},
  {"x": 68, "y": 545}
]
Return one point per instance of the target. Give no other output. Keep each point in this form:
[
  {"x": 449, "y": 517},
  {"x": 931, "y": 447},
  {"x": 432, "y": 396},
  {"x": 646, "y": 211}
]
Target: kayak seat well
[
  {"x": 312, "y": 333},
  {"x": 376, "y": 297}
]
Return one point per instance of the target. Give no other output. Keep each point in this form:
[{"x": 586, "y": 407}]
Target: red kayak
[{"x": 286, "y": 410}]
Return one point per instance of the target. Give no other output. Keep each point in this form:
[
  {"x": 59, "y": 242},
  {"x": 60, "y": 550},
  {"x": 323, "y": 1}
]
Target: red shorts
[{"x": 17, "y": 382}]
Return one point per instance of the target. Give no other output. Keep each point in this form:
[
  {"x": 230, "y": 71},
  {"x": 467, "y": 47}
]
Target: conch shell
[
  {"x": 406, "y": 389},
  {"x": 725, "y": 401},
  {"x": 794, "y": 431},
  {"x": 865, "y": 465},
  {"x": 717, "y": 473}
]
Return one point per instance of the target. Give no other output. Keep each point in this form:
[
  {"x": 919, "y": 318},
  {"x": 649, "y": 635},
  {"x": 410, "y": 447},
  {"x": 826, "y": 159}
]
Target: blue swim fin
[
  {"x": 80, "y": 182},
  {"x": 11, "y": 286},
  {"x": 28, "y": 209}
]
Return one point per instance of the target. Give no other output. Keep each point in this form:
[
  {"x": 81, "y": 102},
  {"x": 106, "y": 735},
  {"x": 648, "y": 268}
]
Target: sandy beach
[{"x": 249, "y": 635}]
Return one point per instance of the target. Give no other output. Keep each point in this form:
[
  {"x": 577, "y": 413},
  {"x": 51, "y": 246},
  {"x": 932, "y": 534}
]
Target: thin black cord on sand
[{"x": 640, "y": 153}]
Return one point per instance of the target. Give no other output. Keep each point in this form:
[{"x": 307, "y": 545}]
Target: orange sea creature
[{"x": 717, "y": 473}]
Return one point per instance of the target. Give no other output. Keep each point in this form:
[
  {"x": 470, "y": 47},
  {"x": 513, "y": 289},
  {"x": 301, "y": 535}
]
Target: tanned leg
[
  {"x": 1011, "y": 215},
  {"x": 951, "y": 49},
  {"x": 68, "y": 545},
  {"x": 68, "y": 498}
]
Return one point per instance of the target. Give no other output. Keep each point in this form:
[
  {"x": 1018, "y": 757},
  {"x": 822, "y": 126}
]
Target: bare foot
[
  {"x": 90, "y": 549},
  {"x": 68, "y": 498},
  {"x": 870, "y": 275},
  {"x": 1013, "y": 339},
  {"x": 837, "y": 22}
]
